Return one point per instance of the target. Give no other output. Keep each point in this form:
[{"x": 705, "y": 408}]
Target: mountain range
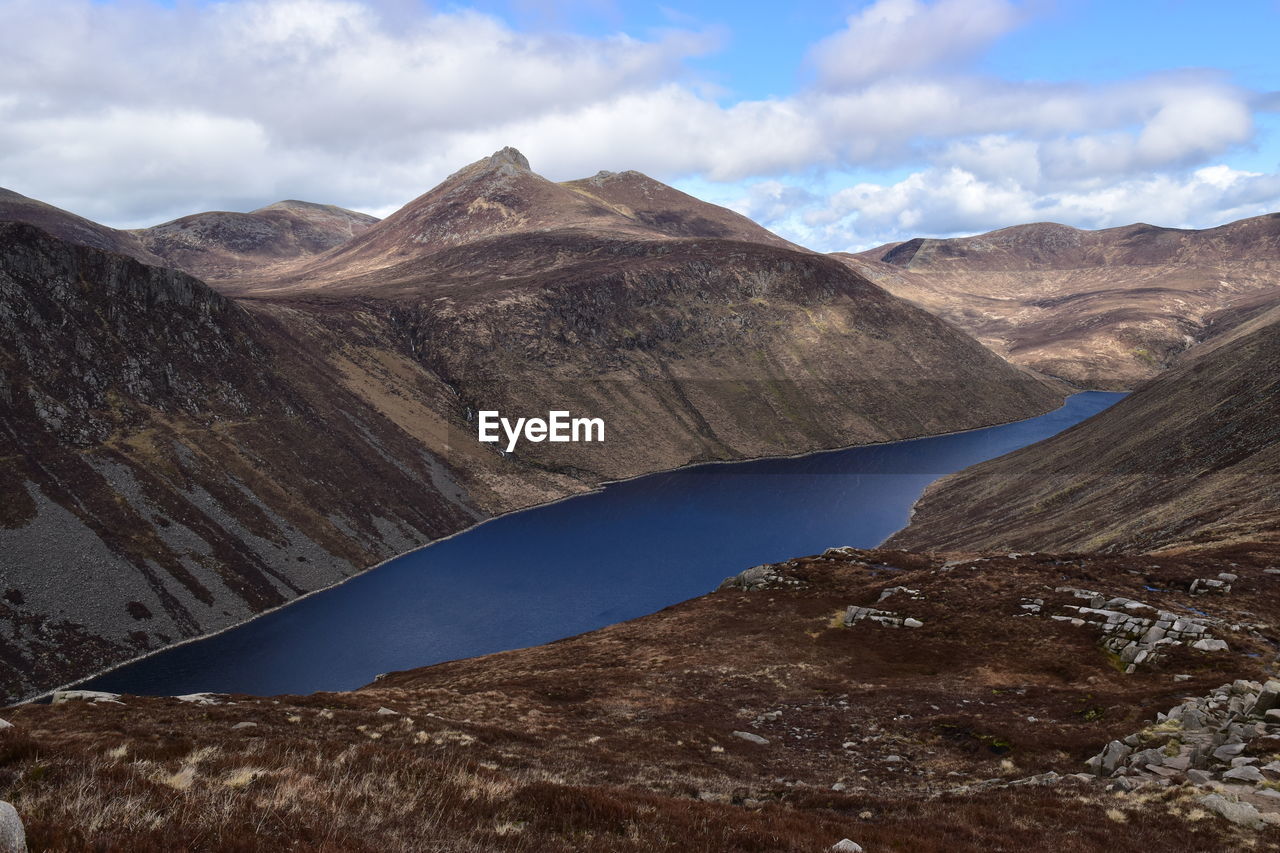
[
  {"x": 1105, "y": 309},
  {"x": 188, "y": 451}
]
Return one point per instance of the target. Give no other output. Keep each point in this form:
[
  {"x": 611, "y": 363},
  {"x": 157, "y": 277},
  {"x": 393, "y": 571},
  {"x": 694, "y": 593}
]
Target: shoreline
[{"x": 72, "y": 685}]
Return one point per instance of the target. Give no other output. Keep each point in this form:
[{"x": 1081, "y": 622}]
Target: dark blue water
[{"x": 580, "y": 564}]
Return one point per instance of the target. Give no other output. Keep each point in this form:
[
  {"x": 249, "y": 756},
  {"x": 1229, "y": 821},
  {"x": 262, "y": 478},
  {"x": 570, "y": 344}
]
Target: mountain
[
  {"x": 74, "y": 229},
  {"x": 185, "y": 459},
  {"x": 501, "y": 196},
  {"x": 1101, "y": 309},
  {"x": 763, "y": 717},
  {"x": 1188, "y": 461},
  {"x": 222, "y": 245}
]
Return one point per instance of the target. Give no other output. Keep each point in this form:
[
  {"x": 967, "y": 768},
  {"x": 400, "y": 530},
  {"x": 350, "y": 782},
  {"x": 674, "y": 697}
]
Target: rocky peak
[{"x": 510, "y": 158}]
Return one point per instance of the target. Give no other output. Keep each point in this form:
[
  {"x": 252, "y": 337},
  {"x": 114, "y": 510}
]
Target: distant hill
[
  {"x": 222, "y": 245},
  {"x": 1101, "y": 309}
]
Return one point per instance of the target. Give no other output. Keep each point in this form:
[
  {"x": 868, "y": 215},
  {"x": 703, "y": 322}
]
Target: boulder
[
  {"x": 1114, "y": 753},
  {"x": 751, "y": 737},
  {"x": 387, "y": 712},
  {"x": 5, "y": 724},
  {"x": 245, "y": 725},
  {"x": 845, "y": 845},
  {"x": 1236, "y": 812},
  {"x": 1210, "y": 645},
  {"x": 1268, "y": 698},
  {"x": 60, "y": 696},
  {"x": 1228, "y": 751},
  {"x": 1244, "y": 773},
  {"x": 13, "y": 836}
]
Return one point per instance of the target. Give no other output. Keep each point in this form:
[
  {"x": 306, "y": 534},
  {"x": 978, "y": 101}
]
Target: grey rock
[
  {"x": 1268, "y": 698},
  {"x": 1228, "y": 751},
  {"x": 1210, "y": 645},
  {"x": 1244, "y": 773},
  {"x": 245, "y": 725},
  {"x": 387, "y": 712},
  {"x": 13, "y": 835},
  {"x": 5, "y": 724},
  {"x": 200, "y": 698},
  {"x": 845, "y": 845},
  {"x": 1147, "y": 758},
  {"x": 1242, "y": 814},
  {"x": 912, "y": 623},
  {"x": 751, "y": 737},
  {"x": 1199, "y": 777},
  {"x": 60, "y": 696},
  {"x": 1113, "y": 754}
]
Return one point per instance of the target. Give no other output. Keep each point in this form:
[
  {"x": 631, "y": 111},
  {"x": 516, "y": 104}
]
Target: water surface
[{"x": 558, "y": 570}]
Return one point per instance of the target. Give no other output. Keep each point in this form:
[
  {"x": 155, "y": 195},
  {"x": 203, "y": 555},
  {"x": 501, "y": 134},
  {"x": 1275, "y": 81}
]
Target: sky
[{"x": 840, "y": 125}]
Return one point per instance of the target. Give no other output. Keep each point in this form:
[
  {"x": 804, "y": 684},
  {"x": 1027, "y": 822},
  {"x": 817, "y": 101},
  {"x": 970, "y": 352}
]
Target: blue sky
[{"x": 840, "y": 125}]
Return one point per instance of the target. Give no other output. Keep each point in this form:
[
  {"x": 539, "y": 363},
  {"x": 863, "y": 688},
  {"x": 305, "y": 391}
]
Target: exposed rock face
[
  {"x": 221, "y": 245},
  {"x": 171, "y": 463},
  {"x": 1189, "y": 460},
  {"x": 183, "y": 460},
  {"x": 1102, "y": 309}
]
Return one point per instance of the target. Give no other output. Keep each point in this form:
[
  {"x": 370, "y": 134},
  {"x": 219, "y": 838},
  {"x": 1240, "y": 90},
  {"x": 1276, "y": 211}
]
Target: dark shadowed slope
[
  {"x": 1190, "y": 460},
  {"x": 1104, "y": 309}
]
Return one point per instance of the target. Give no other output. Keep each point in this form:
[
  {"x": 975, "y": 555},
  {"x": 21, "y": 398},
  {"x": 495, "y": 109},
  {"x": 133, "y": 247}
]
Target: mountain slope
[
  {"x": 670, "y": 212},
  {"x": 1102, "y": 309},
  {"x": 501, "y": 196},
  {"x": 1189, "y": 460},
  {"x": 74, "y": 229},
  {"x": 221, "y": 245},
  {"x": 755, "y": 718},
  {"x": 171, "y": 463}
]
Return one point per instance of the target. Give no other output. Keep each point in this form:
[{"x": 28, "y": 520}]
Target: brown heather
[{"x": 622, "y": 739}]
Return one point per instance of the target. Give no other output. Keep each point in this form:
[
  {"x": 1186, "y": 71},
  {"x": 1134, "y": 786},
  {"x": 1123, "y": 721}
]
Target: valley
[{"x": 193, "y": 455}]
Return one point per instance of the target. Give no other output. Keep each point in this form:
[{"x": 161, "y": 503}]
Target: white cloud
[
  {"x": 950, "y": 201},
  {"x": 895, "y": 36},
  {"x": 135, "y": 113}
]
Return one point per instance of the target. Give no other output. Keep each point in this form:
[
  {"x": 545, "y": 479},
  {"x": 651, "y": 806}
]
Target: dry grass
[{"x": 621, "y": 741}]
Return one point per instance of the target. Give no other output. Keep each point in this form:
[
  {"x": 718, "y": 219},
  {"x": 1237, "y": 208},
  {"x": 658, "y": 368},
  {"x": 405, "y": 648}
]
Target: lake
[{"x": 558, "y": 570}]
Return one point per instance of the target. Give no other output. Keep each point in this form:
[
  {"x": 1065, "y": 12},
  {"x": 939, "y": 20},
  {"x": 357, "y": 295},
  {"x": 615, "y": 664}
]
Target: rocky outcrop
[{"x": 1224, "y": 742}]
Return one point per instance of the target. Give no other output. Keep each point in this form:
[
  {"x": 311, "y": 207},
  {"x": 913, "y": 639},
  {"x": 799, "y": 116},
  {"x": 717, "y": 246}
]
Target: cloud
[
  {"x": 895, "y": 36},
  {"x": 946, "y": 201},
  {"x": 132, "y": 113}
]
